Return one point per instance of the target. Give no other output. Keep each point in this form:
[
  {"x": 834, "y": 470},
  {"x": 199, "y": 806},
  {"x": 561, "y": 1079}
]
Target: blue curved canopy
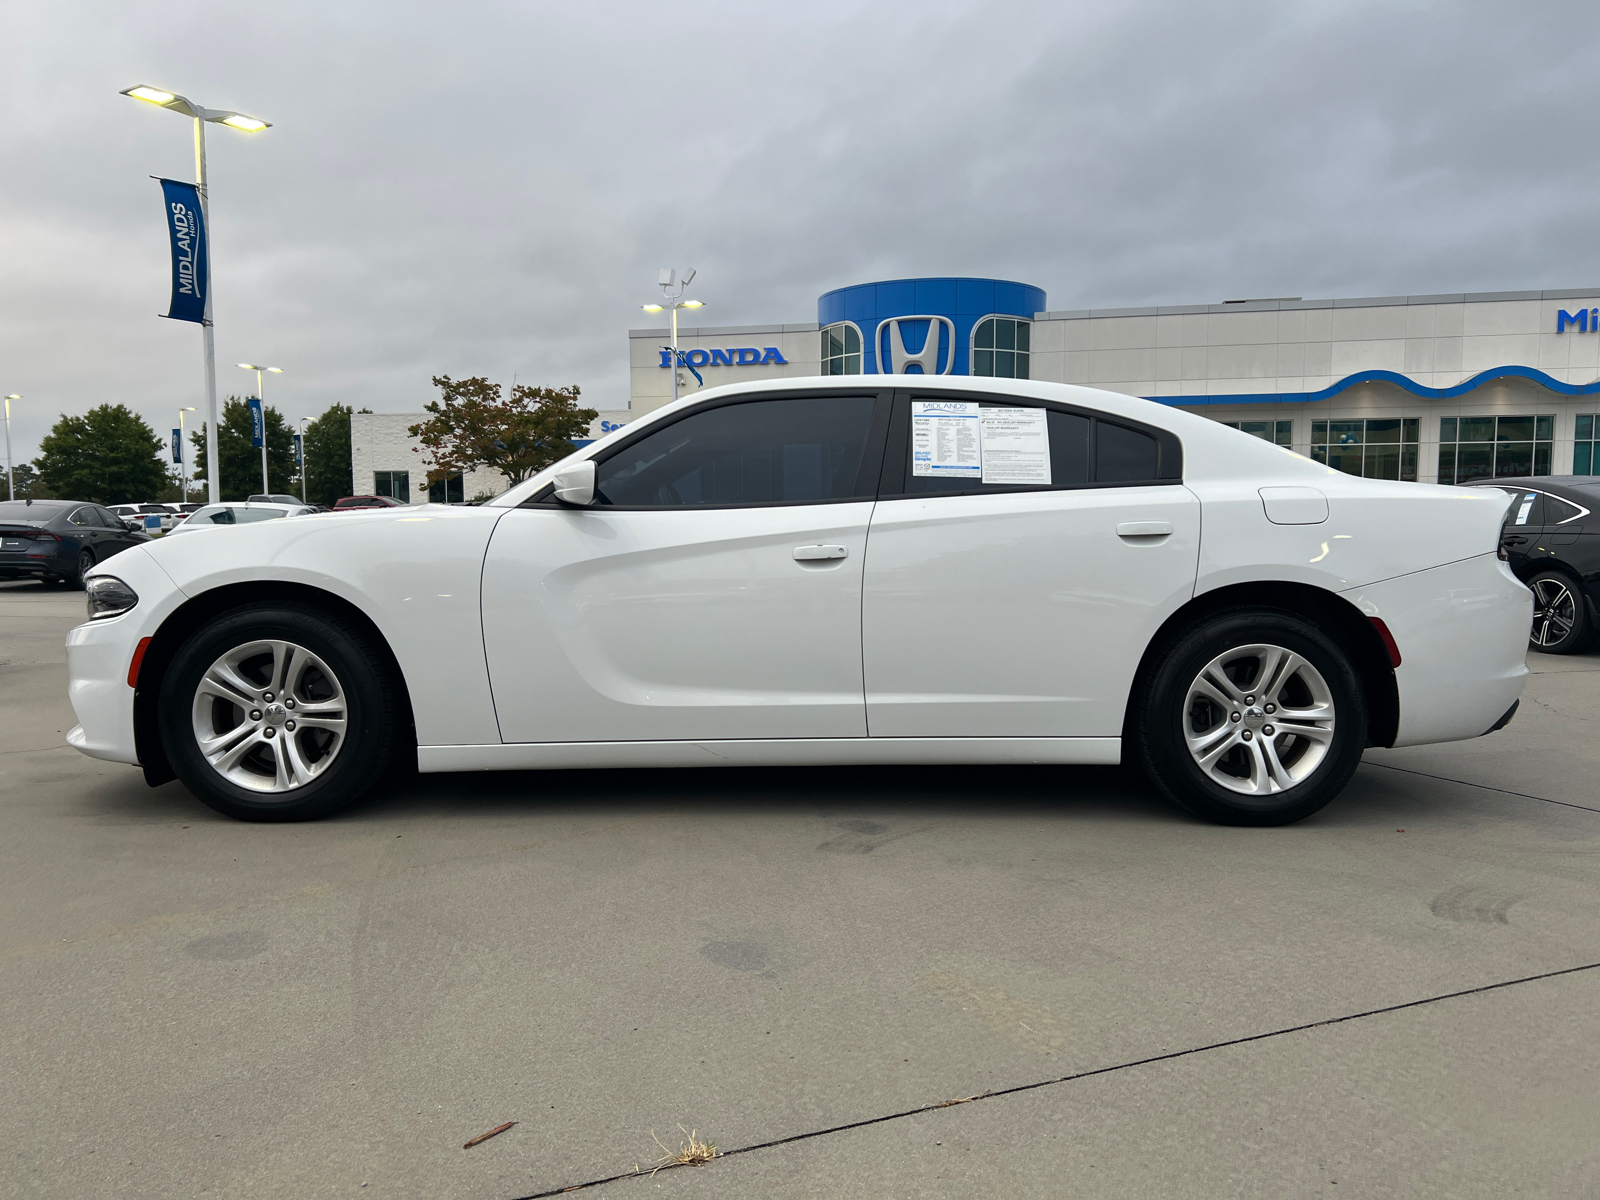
[{"x": 1394, "y": 377}]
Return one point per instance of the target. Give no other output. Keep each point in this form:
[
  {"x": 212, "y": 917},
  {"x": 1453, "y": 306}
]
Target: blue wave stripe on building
[{"x": 1394, "y": 377}]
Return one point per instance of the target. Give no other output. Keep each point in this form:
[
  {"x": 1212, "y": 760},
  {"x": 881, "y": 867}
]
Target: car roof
[{"x": 1584, "y": 489}]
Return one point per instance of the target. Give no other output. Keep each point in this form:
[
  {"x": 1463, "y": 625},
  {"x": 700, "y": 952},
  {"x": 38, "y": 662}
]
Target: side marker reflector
[
  {"x": 1388, "y": 640},
  {"x": 138, "y": 660}
]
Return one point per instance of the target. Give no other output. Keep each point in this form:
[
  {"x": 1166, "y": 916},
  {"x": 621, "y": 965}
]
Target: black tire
[
  {"x": 84, "y": 566},
  {"x": 1561, "y": 622},
  {"x": 1168, "y": 712},
  {"x": 361, "y": 681}
]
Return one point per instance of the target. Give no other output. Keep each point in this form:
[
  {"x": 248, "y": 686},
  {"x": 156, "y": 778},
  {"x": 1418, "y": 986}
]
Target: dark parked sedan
[
  {"x": 58, "y": 540},
  {"x": 1551, "y": 538}
]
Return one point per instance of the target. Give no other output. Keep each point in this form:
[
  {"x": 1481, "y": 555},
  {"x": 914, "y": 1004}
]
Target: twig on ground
[
  {"x": 484, "y": 1137},
  {"x": 693, "y": 1153}
]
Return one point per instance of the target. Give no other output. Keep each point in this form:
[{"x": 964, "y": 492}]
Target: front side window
[
  {"x": 395, "y": 484},
  {"x": 1000, "y": 347},
  {"x": 1584, "y": 461},
  {"x": 1494, "y": 447},
  {"x": 781, "y": 451},
  {"x": 841, "y": 350},
  {"x": 1276, "y": 432},
  {"x": 1374, "y": 449}
]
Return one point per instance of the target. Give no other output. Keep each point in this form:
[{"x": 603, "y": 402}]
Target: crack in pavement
[
  {"x": 1484, "y": 786},
  {"x": 1044, "y": 1083}
]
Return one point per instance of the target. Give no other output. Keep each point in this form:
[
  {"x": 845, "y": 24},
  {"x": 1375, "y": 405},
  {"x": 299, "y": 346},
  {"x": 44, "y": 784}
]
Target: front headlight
[{"x": 107, "y": 596}]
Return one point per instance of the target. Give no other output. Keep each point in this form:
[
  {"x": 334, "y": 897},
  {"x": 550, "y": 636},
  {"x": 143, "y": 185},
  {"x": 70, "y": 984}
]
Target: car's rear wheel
[
  {"x": 1253, "y": 717},
  {"x": 275, "y": 712},
  {"x": 84, "y": 565},
  {"x": 1560, "y": 618}
]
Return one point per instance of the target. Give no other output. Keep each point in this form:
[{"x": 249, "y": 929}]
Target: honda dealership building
[{"x": 1431, "y": 388}]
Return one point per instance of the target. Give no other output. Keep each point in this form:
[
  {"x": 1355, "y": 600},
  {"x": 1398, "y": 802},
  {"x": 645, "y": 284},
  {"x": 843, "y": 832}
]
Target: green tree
[
  {"x": 29, "y": 485},
  {"x": 108, "y": 455},
  {"x": 241, "y": 462},
  {"x": 328, "y": 475},
  {"x": 473, "y": 426}
]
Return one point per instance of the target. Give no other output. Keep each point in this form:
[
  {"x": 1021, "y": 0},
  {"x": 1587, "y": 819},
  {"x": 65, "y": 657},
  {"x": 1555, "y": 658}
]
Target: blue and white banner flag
[
  {"x": 258, "y": 425},
  {"x": 190, "y": 273},
  {"x": 177, "y": 445},
  {"x": 299, "y": 452}
]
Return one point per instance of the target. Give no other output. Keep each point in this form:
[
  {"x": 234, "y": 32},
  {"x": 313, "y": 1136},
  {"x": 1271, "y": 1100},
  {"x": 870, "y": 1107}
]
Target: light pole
[
  {"x": 220, "y": 116},
  {"x": 11, "y": 474},
  {"x": 668, "y": 279},
  {"x": 183, "y": 455},
  {"x": 265, "y": 490},
  {"x": 303, "y": 421}
]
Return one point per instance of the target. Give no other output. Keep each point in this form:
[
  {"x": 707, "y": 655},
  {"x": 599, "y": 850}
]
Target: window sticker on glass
[
  {"x": 1527, "y": 503},
  {"x": 945, "y": 439},
  {"x": 1014, "y": 445}
]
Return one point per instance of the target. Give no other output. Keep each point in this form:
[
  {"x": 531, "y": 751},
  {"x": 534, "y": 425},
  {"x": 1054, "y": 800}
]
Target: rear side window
[
  {"x": 1526, "y": 509},
  {"x": 963, "y": 446},
  {"x": 1559, "y": 512},
  {"x": 780, "y": 451}
]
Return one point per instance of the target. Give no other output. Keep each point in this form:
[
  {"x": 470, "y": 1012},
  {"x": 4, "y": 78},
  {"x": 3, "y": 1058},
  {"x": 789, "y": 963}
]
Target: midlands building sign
[{"x": 1586, "y": 319}]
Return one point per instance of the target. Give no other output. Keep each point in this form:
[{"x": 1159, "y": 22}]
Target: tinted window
[
  {"x": 758, "y": 452},
  {"x": 109, "y": 520},
  {"x": 19, "y": 510},
  {"x": 228, "y": 515},
  {"x": 1068, "y": 435},
  {"x": 1556, "y": 510},
  {"x": 84, "y": 517},
  {"x": 1123, "y": 455},
  {"x": 1527, "y": 509}
]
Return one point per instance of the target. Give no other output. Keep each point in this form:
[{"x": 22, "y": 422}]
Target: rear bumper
[{"x": 1462, "y": 631}]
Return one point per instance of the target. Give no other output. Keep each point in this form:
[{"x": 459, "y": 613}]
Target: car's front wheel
[
  {"x": 1253, "y": 717},
  {"x": 276, "y": 712}
]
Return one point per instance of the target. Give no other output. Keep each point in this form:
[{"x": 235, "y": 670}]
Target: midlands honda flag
[{"x": 190, "y": 275}]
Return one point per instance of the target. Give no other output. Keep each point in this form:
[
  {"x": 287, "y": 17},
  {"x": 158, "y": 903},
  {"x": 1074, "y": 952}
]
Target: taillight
[{"x": 43, "y": 543}]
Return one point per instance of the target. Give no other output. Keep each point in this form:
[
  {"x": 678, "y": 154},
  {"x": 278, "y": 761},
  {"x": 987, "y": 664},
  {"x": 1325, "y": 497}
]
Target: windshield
[
  {"x": 19, "y": 510},
  {"x": 228, "y": 514}
]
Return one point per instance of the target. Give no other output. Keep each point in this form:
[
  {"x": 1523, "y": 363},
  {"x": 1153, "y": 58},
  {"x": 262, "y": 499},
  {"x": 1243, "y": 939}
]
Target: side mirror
[{"x": 575, "y": 484}]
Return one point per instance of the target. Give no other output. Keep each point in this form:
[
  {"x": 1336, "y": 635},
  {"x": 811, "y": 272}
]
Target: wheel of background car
[
  {"x": 1561, "y": 622},
  {"x": 277, "y": 712},
  {"x": 85, "y": 565},
  {"x": 1253, "y": 717}
]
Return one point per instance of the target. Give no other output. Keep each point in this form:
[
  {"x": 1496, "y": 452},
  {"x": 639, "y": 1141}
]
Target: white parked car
[
  {"x": 247, "y": 513},
  {"x": 134, "y": 515},
  {"x": 819, "y": 571}
]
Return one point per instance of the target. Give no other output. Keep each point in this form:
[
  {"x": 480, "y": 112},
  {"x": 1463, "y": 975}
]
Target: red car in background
[{"x": 353, "y": 503}]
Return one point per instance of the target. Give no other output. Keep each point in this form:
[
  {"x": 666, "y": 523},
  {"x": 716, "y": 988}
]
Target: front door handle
[
  {"x": 815, "y": 553},
  {"x": 1141, "y": 529}
]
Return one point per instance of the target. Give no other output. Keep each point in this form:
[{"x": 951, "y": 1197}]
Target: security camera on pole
[
  {"x": 189, "y": 222},
  {"x": 258, "y": 420},
  {"x": 668, "y": 279}
]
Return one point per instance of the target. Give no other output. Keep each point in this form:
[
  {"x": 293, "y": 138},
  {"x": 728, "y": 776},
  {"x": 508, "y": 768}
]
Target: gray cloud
[{"x": 481, "y": 188}]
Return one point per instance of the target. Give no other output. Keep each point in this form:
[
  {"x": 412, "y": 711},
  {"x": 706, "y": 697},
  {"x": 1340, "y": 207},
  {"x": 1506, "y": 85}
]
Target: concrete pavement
[{"x": 199, "y": 1007}]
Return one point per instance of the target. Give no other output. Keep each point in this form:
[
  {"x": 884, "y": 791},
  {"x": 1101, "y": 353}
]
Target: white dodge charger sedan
[{"x": 885, "y": 569}]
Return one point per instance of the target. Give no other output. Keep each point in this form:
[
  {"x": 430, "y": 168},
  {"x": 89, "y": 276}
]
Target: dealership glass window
[
  {"x": 393, "y": 483},
  {"x": 1276, "y": 432},
  {"x": 841, "y": 350},
  {"x": 1584, "y": 461},
  {"x": 1494, "y": 447},
  {"x": 1374, "y": 449},
  {"x": 757, "y": 452},
  {"x": 446, "y": 491},
  {"x": 1000, "y": 348}
]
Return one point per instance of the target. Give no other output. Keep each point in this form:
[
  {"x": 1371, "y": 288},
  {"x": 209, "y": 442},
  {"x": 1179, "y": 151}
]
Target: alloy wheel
[
  {"x": 269, "y": 716},
  {"x": 1555, "y": 611},
  {"x": 1258, "y": 719}
]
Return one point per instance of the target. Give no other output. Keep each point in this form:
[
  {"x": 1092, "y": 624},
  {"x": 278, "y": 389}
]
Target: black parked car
[
  {"x": 1551, "y": 538},
  {"x": 58, "y": 540}
]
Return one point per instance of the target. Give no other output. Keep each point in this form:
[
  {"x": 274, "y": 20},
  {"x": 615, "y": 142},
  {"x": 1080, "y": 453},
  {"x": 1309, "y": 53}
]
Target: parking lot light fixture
[
  {"x": 668, "y": 280},
  {"x": 245, "y": 123},
  {"x": 11, "y": 475},
  {"x": 265, "y": 490},
  {"x": 183, "y": 455}
]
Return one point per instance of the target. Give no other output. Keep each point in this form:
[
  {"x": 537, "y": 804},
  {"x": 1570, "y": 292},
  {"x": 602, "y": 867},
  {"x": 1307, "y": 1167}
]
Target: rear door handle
[
  {"x": 814, "y": 553},
  {"x": 1515, "y": 541},
  {"x": 1137, "y": 529}
]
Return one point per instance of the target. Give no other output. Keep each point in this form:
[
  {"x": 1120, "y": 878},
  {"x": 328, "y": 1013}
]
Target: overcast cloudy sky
[{"x": 472, "y": 188}]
